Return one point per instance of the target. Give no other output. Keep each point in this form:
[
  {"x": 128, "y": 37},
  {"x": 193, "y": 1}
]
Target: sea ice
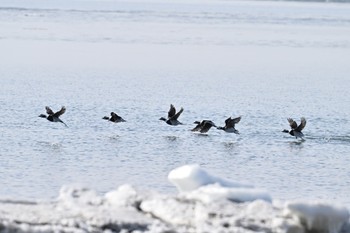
[
  {"x": 318, "y": 216},
  {"x": 206, "y": 187},
  {"x": 191, "y": 177},
  {"x": 209, "y": 204}
]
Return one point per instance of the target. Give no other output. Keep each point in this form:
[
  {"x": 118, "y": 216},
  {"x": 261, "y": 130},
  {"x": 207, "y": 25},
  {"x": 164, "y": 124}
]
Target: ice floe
[{"x": 205, "y": 203}]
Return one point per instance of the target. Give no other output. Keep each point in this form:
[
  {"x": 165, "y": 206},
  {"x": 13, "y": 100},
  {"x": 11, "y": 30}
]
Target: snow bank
[{"x": 209, "y": 204}]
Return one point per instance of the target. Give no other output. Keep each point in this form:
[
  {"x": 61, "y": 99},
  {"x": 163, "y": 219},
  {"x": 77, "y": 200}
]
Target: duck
[
  {"x": 54, "y": 117},
  {"x": 114, "y": 118},
  {"x": 172, "y": 116},
  {"x": 296, "y": 129},
  {"x": 203, "y": 126},
  {"x": 230, "y": 125}
]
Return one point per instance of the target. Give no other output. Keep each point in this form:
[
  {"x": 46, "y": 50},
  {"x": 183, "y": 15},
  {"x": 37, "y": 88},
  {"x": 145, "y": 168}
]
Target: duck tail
[{"x": 63, "y": 122}]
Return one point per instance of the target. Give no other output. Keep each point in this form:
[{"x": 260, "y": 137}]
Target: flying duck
[
  {"x": 54, "y": 117},
  {"x": 230, "y": 125},
  {"x": 203, "y": 126},
  {"x": 114, "y": 118},
  {"x": 172, "y": 116},
  {"x": 296, "y": 129}
]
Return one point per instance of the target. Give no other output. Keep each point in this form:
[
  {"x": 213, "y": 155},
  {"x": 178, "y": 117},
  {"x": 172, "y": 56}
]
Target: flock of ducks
[{"x": 201, "y": 126}]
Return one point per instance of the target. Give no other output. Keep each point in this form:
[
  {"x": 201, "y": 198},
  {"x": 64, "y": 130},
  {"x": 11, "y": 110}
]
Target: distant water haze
[{"x": 264, "y": 61}]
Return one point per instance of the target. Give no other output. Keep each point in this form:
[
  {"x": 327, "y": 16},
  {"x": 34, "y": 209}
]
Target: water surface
[{"x": 265, "y": 61}]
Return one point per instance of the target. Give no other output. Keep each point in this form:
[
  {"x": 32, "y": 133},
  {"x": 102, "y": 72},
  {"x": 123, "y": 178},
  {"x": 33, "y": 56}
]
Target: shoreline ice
[{"x": 208, "y": 204}]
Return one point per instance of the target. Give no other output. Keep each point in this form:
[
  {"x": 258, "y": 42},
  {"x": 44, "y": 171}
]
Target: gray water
[{"x": 265, "y": 61}]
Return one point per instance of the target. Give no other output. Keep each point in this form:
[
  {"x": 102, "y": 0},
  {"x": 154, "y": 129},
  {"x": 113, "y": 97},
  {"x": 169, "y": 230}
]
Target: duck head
[
  {"x": 162, "y": 119},
  {"x": 43, "y": 116}
]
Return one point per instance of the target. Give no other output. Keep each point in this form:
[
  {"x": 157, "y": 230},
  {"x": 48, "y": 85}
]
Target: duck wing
[
  {"x": 197, "y": 128},
  {"x": 177, "y": 114},
  {"x": 114, "y": 116},
  {"x": 60, "y": 112},
  {"x": 237, "y": 119},
  {"x": 171, "y": 111},
  {"x": 49, "y": 111},
  {"x": 230, "y": 123},
  {"x": 302, "y": 124},
  {"x": 206, "y": 125},
  {"x": 227, "y": 121},
  {"x": 292, "y": 123}
]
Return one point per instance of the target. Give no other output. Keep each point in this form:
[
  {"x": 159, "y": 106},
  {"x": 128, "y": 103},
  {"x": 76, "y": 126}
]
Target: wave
[{"x": 330, "y": 139}]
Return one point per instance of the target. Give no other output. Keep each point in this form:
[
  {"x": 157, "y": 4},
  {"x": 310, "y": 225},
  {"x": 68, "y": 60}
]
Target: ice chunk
[
  {"x": 78, "y": 195},
  {"x": 318, "y": 216},
  {"x": 196, "y": 183},
  {"x": 125, "y": 196},
  {"x": 214, "y": 192},
  {"x": 191, "y": 177}
]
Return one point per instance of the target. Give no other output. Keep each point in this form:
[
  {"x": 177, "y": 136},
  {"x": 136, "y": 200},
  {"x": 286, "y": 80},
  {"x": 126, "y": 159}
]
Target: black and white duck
[
  {"x": 173, "y": 116},
  {"x": 203, "y": 126},
  {"x": 114, "y": 118},
  {"x": 230, "y": 125},
  {"x": 53, "y": 117},
  {"x": 295, "y": 128}
]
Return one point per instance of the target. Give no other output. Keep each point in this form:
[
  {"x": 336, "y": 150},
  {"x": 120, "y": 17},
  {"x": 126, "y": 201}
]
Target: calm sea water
[{"x": 265, "y": 61}]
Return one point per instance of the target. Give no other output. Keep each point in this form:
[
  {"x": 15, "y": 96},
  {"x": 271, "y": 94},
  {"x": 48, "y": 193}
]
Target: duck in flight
[
  {"x": 172, "y": 116},
  {"x": 54, "y": 117},
  {"x": 114, "y": 118},
  {"x": 230, "y": 125},
  {"x": 203, "y": 126},
  {"x": 296, "y": 129}
]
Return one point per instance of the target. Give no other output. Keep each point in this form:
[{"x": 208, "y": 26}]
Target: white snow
[
  {"x": 201, "y": 185},
  {"x": 125, "y": 195},
  {"x": 209, "y": 204},
  {"x": 318, "y": 216},
  {"x": 213, "y": 192},
  {"x": 191, "y": 177}
]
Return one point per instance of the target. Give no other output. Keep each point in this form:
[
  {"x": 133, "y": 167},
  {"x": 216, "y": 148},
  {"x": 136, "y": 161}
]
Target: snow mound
[{"x": 199, "y": 184}]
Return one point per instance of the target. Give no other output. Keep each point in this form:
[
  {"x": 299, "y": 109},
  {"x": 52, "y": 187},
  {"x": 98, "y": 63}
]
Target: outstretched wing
[
  {"x": 177, "y": 114},
  {"x": 172, "y": 111},
  {"x": 237, "y": 119},
  {"x": 292, "y": 123},
  {"x": 207, "y": 124},
  {"x": 198, "y": 127},
  {"x": 48, "y": 110},
  {"x": 60, "y": 112},
  {"x": 302, "y": 124},
  {"x": 227, "y": 121},
  {"x": 114, "y": 116},
  {"x": 231, "y": 122}
]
